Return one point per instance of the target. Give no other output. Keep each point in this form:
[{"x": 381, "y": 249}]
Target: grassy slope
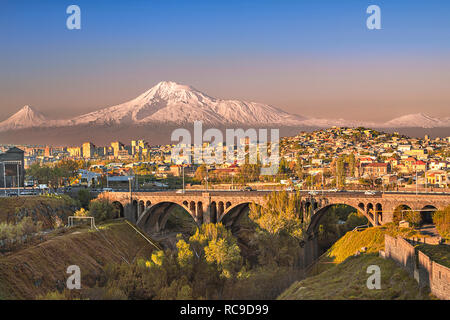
[
  {"x": 438, "y": 253},
  {"x": 340, "y": 275},
  {"x": 41, "y": 205},
  {"x": 42, "y": 268},
  {"x": 347, "y": 280},
  {"x": 371, "y": 238}
]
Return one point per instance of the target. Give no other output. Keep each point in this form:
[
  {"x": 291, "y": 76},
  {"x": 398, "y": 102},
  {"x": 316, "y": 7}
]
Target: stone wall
[
  {"x": 440, "y": 281},
  {"x": 400, "y": 251},
  {"x": 420, "y": 266},
  {"x": 427, "y": 240}
]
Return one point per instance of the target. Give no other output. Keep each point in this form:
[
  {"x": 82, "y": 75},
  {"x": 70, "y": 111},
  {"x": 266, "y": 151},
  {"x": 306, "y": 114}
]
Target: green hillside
[
  {"x": 347, "y": 280},
  {"x": 340, "y": 274},
  {"x": 39, "y": 269}
]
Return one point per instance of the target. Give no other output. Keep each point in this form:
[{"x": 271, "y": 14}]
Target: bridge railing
[{"x": 359, "y": 228}]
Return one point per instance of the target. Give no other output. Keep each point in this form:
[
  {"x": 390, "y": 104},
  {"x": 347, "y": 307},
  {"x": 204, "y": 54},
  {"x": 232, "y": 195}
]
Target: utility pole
[
  {"x": 183, "y": 179},
  {"x": 322, "y": 181},
  {"x": 4, "y": 177},
  {"x": 426, "y": 182},
  {"x": 337, "y": 171},
  {"x": 206, "y": 178},
  {"x": 18, "y": 180},
  {"x": 232, "y": 181},
  {"x": 417, "y": 183}
]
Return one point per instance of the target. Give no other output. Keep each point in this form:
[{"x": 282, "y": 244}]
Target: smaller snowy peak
[
  {"x": 418, "y": 120},
  {"x": 26, "y": 117}
]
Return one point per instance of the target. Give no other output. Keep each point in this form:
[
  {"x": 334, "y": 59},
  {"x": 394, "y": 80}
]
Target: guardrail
[{"x": 359, "y": 228}]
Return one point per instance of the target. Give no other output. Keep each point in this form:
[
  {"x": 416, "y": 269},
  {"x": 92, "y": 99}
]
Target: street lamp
[
  {"x": 206, "y": 178},
  {"x": 184, "y": 190}
]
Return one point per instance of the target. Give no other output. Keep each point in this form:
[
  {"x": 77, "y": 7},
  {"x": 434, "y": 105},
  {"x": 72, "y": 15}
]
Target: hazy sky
[{"x": 313, "y": 58}]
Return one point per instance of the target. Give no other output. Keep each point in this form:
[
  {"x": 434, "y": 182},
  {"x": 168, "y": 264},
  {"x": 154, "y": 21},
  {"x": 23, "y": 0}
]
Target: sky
[{"x": 312, "y": 58}]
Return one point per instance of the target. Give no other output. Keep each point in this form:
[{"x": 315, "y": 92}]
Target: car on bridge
[
  {"x": 370, "y": 193},
  {"x": 248, "y": 188}
]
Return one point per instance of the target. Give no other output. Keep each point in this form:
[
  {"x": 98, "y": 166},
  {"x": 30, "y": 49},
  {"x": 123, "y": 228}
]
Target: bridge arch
[
  {"x": 426, "y": 214},
  {"x": 118, "y": 205},
  {"x": 370, "y": 210},
  {"x": 361, "y": 206},
  {"x": 154, "y": 218},
  {"x": 318, "y": 215},
  {"x": 399, "y": 212},
  {"x": 213, "y": 212},
  {"x": 234, "y": 213},
  {"x": 379, "y": 213},
  {"x": 141, "y": 207},
  {"x": 192, "y": 208},
  {"x": 220, "y": 210}
]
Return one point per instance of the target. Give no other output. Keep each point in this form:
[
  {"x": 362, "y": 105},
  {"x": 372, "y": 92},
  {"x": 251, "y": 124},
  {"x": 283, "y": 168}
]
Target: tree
[
  {"x": 200, "y": 173},
  {"x": 441, "y": 219},
  {"x": 103, "y": 210},
  {"x": 249, "y": 173},
  {"x": 281, "y": 229},
  {"x": 280, "y": 214},
  {"x": 340, "y": 171},
  {"x": 413, "y": 217},
  {"x": 215, "y": 244},
  {"x": 84, "y": 196}
]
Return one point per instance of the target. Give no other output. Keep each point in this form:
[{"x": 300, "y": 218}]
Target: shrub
[
  {"x": 81, "y": 213},
  {"x": 355, "y": 220},
  {"x": 102, "y": 210},
  {"x": 441, "y": 219},
  {"x": 413, "y": 217},
  {"x": 84, "y": 196}
]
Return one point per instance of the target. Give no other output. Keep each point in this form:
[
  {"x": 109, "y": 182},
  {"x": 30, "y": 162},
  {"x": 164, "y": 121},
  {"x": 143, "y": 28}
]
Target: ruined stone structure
[{"x": 424, "y": 270}]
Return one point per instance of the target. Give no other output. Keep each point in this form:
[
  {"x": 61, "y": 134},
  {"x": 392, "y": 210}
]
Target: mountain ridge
[{"x": 173, "y": 103}]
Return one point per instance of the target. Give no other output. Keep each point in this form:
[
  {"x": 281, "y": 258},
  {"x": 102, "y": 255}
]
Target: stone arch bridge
[{"x": 150, "y": 210}]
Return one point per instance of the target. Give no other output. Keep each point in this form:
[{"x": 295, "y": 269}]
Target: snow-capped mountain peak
[
  {"x": 26, "y": 117},
  {"x": 419, "y": 120},
  {"x": 170, "y": 102},
  {"x": 169, "y": 90}
]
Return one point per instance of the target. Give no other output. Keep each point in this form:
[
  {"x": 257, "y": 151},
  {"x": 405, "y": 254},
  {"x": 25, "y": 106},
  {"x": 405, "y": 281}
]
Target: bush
[
  {"x": 441, "y": 219},
  {"x": 413, "y": 217},
  {"x": 84, "y": 196},
  {"x": 354, "y": 220},
  {"x": 102, "y": 210},
  {"x": 14, "y": 232},
  {"x": 81, "y": 213}
]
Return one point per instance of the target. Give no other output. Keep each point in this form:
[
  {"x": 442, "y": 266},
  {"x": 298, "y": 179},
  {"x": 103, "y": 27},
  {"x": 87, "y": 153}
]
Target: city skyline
[{"x": 308, "y": 59}]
